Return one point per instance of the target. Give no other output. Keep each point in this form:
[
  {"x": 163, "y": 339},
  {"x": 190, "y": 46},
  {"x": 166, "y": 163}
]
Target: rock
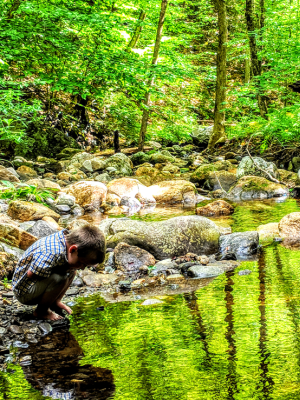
[
  {"x": 97, "y": 280},
  {"x": 63, "y": 209},
  {"x": 104, "y": 178},
  {"x": 72, "y": 292},
  {"x": 201, "y": 136},
  {"x": 219, "y": 207},
  {"x": 52, "y": 223},
  {"x": 245, "y": 272},
  {"x": 65, "y": 200},
  {"x": 11, "y": 250},
  {"x": 203, "y": 172},
  {"x": 29, "y": 211},
  {"x": 201, "y": 271},
  {"x": 289, "y": 178},
  {"x": 296, "y": 163},
  {"x": 16, "y": 329},
  {"x": 174, "y": 237},
  {"x": 43, "y": 184},
  {"x": 248, "y": 168},
  {"x": 114, "y": 226},
  {"x": 68, "y": 152},
  {"x": 45, "y": 328},
  {"x": 8, "y": 263},
  {"x": 161, "y": 267},
  {"x": 89, "y": 195},
  {"x": 140, "y": 158},
  {"x": 125, "y": 285},
  {"x": 113, "y": 199},
  {"x": 26, "y": 173},
  {"x": 131, "y": 258},
  {"x": 121, "y": 163},
  {"x": 229, "y": 156},
  {"x": 131, "y": 188},
  {"x": 151, "y": 302},
  {"x": 250, "y": 187},
  {"x": 204, "y": 260},
  {"x": 64, "y": 176},
  {"x": 78, "y": 282},
  {"x": 155, "y": 145},
  {"x": 173, "y": 192},
  {"x": 98, "y": 163},
  {"x": 15, "y": 236},
  {"x": 87, "y": 166},
  {"x": 241, "y": 243},
  {"x": 130, "y": 202},
  {"x": 138, "y": 284},
  {"x": 7, "y": 175},
  {"x": 289, "y": 226},
  {"x": 160, "y": 158},
  {"x": 41, "y": 229},
  {"x": 175, "y": 278},
  {"x": 223, "y": 180},
  {"x": 268, "y": 231}
]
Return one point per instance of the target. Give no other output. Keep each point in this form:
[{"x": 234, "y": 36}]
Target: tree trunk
[
  {"x": 80, "y": 109},
  {"x": 117, "y": 142},
  {"x": 137, "y": 32},
  {"x": 146, "y": 112},
  {"x": 247, "y": 70},
  {"x": 219, "y": 119},
  {"x": 256, "y": 63}
]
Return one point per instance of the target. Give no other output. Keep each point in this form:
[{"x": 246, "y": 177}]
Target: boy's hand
[{"x": 30, "y": 274}]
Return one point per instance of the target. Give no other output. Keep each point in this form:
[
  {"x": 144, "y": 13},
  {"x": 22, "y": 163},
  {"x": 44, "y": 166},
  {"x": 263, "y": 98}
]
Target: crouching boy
[{"x": 48, "y": 268}]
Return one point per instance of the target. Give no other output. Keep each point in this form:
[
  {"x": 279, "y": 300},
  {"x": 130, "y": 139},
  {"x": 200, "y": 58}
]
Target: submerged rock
[
  {"x": 174, "y": 237},
  {"x": 254, "y": 187},
  {"x": 203, "y": 271},
  {"x": 219, "y": 207},
  {"x": 243, "y": 244}
]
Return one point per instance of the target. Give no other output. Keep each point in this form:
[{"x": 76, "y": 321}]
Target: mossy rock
[
  {"x": 68, "y": 153},
  {"x": 202, "y": 173},
  {"x": 140, "y": 158},
  {"x": 159, "y": 158},
  {"x": 254, "y": 187}
]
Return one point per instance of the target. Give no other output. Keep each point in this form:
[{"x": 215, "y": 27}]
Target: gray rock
[
  {"x": 87, "y": 166},
  {"x": 248, "y": 168},
  {"x": 110, "y": 262},
  {"x": 111, "y": 169},
  {"x": 3, "y": 331},
  {"x": 151, "y": 302},
  {"x": 13, "y": 171},
  {"x": 130, "y": 202},
  {"x": 41, "y": 229},
  {"x": 15, "y": 329},
  {"x": 65, "y": 200},
  {"x": 245, "y": 272},
  {"x": 8, "y": 294},
  {"x": 243, "y": 244},
  {"x": 251, "y": 187},
  {"x": 45, "y": 328},
  {"x": 78, "y": 282},
  {"x": 27, "y": 225},
  {"x": 11, "y": 250},
  {"x": 140, "y": 158},
  {"x": 201, "y": 136},
  {"x": 121, "y": 163},
  {"x": 72, "y": 292},
  {"x": 62, "y": 209},
  {"x": 162, "y": 266},
  {"x": 174, "y": 237},
  {"x": 125, "y": 285},
  {"x": 104, "y": 178},
  {"x": 205, "y": 271},
  {"x": 77, "y": 211}
]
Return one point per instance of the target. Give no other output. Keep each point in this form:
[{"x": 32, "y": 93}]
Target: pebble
[
  {"x": 20, "y": 344},
  {"x": 77, "y": 282},
  {"x": 125, "y": 285},
  {"x": 17, "y": 330},
  {"x": 63, "y": 209},
  {"x": 25, "y": 361},
  {"x": 8, "y": 294},
  {"x": 45, "y": 328},
  {"x": 174, "y": 286},
  {"x": 150, "y": 302},
  {"x": 245, "y": 272},
  {"x": 2, "y": 331},
  {"x": 72, "y": 292}
]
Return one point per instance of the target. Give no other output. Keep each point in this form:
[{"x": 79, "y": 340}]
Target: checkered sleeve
[{"x": 42, "y": 264}]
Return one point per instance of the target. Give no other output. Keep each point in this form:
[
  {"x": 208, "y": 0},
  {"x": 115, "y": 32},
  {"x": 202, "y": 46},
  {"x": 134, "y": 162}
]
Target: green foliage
[{"x": 30, "y": 193}]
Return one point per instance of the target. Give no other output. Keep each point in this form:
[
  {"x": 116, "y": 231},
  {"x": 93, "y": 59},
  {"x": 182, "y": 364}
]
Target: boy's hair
[{"x": 89, "y": 240}]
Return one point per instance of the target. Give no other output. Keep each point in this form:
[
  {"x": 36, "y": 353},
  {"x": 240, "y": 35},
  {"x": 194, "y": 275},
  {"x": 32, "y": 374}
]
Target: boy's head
[{"x": 85, "y": 246}]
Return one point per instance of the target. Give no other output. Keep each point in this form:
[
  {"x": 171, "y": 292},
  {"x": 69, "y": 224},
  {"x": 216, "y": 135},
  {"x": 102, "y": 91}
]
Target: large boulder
[
  {"x": 140, "y": 158},
  {"x": 15, "y": 236},
  {"x": 89, "y": 195},
  {"x": 131, "y": 258},
  {"x": 41, "y": 229},
  {"x": 221, "y": 180},
  {"x": 29, "y": 211},
  {"x": 219, "y": 207},
  {"x": 149, "y": 175},
  {"x": 203, "y": 172},
  {"x": 201, "y": 136},
  {"x": 7, "y": 175},
  {"x": 289, "y": 226},
  {"x": 131, "y": 188},
  {"x": 247, "y": 167},
  {"x": 76, "y": 162},
  {"x": 243, "y": 244},
  {"x": 121, "y": 163},
  {"x": 174, "y": 237},
  {"x": 160, "y": 158},
  {"x": 253, "y": 187},
  {"x": 177, "y": 191}
]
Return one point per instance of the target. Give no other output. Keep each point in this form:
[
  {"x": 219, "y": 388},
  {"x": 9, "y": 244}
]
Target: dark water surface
[{"x": 237, "y": 338}]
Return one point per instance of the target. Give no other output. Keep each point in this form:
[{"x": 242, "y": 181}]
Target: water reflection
[{"x": 56, "y": 371}]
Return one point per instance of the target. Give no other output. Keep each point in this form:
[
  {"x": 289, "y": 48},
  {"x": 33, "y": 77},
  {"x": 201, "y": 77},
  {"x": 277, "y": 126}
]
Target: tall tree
[
  {"x": 255, "y": 61},
  {"x": 219, "y": 113},
  {"x": 146, "y": 111},
  {"x": 136, "y": 35}
]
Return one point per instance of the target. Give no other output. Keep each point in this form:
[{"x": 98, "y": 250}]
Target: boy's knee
[{"x": 55, "y": 280}]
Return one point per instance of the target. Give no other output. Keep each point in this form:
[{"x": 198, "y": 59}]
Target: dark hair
[{"x": 89, "y": 240}]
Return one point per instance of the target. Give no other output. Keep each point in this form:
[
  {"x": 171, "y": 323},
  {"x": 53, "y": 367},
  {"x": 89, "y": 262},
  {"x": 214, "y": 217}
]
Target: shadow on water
[{"x": 56, "y": 372}]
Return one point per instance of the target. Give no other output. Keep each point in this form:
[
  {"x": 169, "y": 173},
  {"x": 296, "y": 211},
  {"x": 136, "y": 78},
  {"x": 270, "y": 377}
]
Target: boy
[{"x": 48, "y": 268}]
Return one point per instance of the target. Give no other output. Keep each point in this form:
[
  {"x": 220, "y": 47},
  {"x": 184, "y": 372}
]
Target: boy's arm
[{"x": 30, "y": 274}]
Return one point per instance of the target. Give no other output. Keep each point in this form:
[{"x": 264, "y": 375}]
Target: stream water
[{"x": 236, "y": 338}]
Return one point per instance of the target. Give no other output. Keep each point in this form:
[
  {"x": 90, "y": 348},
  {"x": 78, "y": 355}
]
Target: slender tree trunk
[
  {"x": 247, "y": 70},
  {"x": 219, "y": 120},
  {"x": 146, "y": 112},
  {"x": 80, "y": 109},
  {"x": 137, "y": 32},
  {"x": 255, "y": 62},
  {"x": 117, "y": 142}
]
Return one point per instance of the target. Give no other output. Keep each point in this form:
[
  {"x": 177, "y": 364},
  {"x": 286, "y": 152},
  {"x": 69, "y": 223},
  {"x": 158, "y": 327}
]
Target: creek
[{"x": 238, "y": 337}]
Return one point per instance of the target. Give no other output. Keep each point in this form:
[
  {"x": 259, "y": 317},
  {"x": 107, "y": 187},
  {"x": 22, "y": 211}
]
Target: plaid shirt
[{"x": 41, "y": 258}]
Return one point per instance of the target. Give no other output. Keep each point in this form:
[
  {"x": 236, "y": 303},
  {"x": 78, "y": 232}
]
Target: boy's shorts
[{"x": 37, "y": 290}]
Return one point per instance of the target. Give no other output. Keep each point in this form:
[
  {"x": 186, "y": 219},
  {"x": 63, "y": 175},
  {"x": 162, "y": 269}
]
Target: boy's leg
[{"x": 51, "y": 298}]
